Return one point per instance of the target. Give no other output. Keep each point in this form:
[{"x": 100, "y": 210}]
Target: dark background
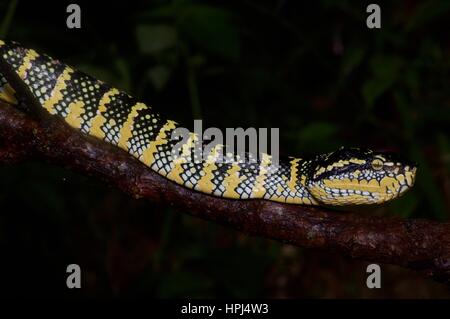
[{"x": 311, "y": 68}]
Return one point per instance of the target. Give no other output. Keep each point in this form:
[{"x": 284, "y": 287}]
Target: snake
[{"x": 343, "y": 177}]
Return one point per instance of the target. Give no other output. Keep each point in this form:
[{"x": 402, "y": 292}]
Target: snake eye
[{"x": 377, "y": 164}]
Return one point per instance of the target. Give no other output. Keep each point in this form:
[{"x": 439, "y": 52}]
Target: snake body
[{"x": 347, "y": 176}]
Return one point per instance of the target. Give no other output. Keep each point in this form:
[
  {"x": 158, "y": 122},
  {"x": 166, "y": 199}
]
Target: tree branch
[{"x": 416, "y": 244}]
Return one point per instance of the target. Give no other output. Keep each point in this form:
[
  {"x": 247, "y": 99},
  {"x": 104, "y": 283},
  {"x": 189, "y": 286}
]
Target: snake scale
[{"x": 347, "y": 176}]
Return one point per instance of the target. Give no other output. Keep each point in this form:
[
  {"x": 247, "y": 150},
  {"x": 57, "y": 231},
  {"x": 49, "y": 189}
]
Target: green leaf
[
  {"x": 426, "y": 12},
  {"x": 124, "y": 74},
  {"x": 385, "y": 66},
  {"x": 405, "y": 206},
  {"x": 411, "y": 79},
  {"x": 352, "y": 58},
  {"x": 155, "y": 38},
  {"x": 444, "y": 147},
  {"x": 102, "y": 73},
  {"x": 426, "y": 182},
  {"x": 317, "y": 131},
  {"x": 385, "y": 70},
  {"x": 184, "y": 284},
  {"x": 159, "y": 75},
  {"x": 7, "y": 20},
  {"x": 210, "y": 28},
  {"x": 374, "y": 88}
]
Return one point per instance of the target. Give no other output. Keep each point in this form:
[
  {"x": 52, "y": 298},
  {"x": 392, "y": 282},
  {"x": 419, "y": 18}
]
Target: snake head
[{"x": 354, "y": 176}]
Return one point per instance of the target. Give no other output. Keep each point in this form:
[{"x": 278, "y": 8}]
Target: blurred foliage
[{"x": 312, "y": 68}]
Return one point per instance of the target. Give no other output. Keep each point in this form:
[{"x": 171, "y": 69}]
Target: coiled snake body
[{"x": 348, "y": 176}]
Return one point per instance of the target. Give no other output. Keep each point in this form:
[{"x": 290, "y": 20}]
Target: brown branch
[{"x": 416, "y": 244}]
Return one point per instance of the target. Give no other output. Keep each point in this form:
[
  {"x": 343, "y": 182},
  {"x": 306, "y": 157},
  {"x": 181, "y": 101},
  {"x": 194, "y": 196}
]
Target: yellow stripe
[
  {"x": 409, "y": 178},
  {"x": 305, "y": 200},
  {"x": 56, "y": 94},
  {"x": 147, "y": 156},
  {"x": 174, "y": 174},
  {"x": 357, "y": 161},
  {"x": 294, "y": 171},
  {"x": 98, "y": 121},
  {"x": 75, "y": 111},
  {"x": 232, "y": 181},
  {"x": 7, "y": 94},
  {"x": 354, "y": 199},
  {"x": 370, "y": 186},
  {"x": 177, "y": 169},
  {"x": 125, "y": 132},
  {"x": 389, "y": 183},
  {"x": 187, "y": 147},
  {"x": 259, "y": 190},
  {"x": 26, "y": 64},
  {"x": 1, "y": 43},
  {"x": 320, "y": 171},
  {"x": 295, "y": 200},
  {"x": 205, "y": 183}
]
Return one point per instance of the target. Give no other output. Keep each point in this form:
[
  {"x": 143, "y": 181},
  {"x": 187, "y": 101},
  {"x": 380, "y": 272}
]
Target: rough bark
[{"x": 417, "y": 244}]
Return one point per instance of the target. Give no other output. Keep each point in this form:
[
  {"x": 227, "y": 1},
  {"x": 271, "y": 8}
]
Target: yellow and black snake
[{"x": 348, "y": 176}]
